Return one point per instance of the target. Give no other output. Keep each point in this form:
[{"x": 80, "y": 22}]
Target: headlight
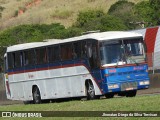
[
  {"x": 144, "y": 83},
  {"x": 113, "y": 86}
]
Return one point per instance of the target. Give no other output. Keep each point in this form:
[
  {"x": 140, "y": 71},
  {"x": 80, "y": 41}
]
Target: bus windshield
[{"x": 120, "y": 52}]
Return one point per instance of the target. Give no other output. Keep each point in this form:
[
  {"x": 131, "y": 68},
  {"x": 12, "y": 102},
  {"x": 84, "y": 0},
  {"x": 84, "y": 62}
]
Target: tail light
[{"x": 8, "y": 89}]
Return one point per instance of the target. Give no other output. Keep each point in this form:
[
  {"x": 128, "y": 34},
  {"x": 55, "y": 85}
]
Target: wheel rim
[
  {"x": 91, "y": 90},
  {"x": 36, "y": 96}
]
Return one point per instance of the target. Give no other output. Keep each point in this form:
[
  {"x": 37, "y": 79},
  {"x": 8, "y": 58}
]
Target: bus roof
[{"x": 100, "y": 36}]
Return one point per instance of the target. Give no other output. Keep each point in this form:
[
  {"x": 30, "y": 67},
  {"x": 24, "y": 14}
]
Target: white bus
[{"x": 90, "y": 65}]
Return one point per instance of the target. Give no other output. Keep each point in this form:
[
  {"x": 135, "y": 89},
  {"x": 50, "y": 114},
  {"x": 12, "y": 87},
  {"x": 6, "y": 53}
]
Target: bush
[
  {"x": 110, "y": 23},
  {"x": 98, "y": 20},
  {"x": 122, "y": 6},
  {"x": 124, "y": 11},
  {"x": 86, "y": 16}
]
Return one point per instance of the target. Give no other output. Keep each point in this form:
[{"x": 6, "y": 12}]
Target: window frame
[
  {"x": 53, "y": 53},
  {"x": 32, "y": 56},
  {"x": 69, "y": 48},
  {"x": 38, "y": 54}
]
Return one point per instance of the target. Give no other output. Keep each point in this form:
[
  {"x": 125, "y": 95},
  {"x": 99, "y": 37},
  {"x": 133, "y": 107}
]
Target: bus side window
[
  {"x": 53, "y": 53},
  {"x": 76, "y": 50},
  {"x": 29, "y": 57},
  {"x": 18, "y": 59},
  {"x": 41, "y": 55},
  {"x": 84, "y": 49},
  {"x": 10, "y": 61},
  {"x": 66, "y": 51}
]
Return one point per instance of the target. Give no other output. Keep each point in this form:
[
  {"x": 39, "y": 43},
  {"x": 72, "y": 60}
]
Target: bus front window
[
  {"x": 134, "y": 51},
  {"x": 122, "y": 52}
]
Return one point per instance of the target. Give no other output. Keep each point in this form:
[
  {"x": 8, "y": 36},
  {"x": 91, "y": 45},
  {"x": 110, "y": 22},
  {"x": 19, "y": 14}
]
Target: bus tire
[
  {"x": 36, "y": 96},
  {"x": 131, "y": 93},
  {"x": 27, "y": 102},
  {"x": 122, "y": 94},
  {"x": 90, "y": 91},
  {"x": 109, "y": 95}
]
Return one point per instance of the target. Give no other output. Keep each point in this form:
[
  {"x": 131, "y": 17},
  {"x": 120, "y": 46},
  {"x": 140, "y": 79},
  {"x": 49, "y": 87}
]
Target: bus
[{"x": 90, "y": 65}]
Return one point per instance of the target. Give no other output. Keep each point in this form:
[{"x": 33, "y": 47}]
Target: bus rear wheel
[
  {"x": 27, "y": 102},
  {"x": 36, "y": 96},
  {"x": 131, "y": 93}
]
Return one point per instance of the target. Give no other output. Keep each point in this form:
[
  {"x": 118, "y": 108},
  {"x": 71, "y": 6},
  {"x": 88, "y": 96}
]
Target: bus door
[{"x": 94, "y": 61}]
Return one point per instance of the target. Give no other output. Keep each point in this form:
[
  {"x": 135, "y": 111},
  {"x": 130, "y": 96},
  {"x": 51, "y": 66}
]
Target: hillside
[{"x": 17, "y": 12}]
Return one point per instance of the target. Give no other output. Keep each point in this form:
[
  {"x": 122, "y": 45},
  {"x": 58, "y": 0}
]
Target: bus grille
[{"x": 128, "y": 86}]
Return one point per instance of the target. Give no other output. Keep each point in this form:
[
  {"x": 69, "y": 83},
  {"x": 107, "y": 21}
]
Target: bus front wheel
[
  {"x": 90, "y": 90},
  {"x": 131, "y": 93},
  {"x": 109, "y": 95},
  {"x": 36, "y": 95}
]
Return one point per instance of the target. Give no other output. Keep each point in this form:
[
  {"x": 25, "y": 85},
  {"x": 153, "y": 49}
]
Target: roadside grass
[{"x": 138, "y": 103}]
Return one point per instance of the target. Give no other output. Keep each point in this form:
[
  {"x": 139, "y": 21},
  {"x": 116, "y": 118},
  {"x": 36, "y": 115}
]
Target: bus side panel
[
  {"x": 85, "y": 75},
  {"x": 54, "y": 83},
  {"x": 35, "y": 78},
  {"x": 65, "y": 83},
  {"x": 43, "y": 77},
  {"x": 69, "y": 84},
  {"x": 30, "y": 78},
  {"x": 13, "y": 92},
  {"x": 28, "y": 90},
  {"x": 18, "y": 78},
  {"x": 16, "y": 86}
]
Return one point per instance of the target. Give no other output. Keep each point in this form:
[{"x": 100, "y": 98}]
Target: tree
[
  {"x": 155, "y": 5},
  {"x": 145, "y": 12},
  {"x": 124, "y": 11},
  {"x": 105, "y": 23},
  {"x": 110, "y": 23},
  {"x": 98, "y": 20}
]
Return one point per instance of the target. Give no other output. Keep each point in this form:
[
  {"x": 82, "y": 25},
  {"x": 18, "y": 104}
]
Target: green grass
[{"x": 139, "y": 103}]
